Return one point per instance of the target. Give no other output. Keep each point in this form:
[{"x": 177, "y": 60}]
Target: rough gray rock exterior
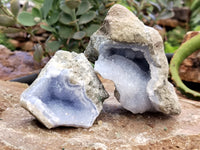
[
  {"x": 67, "y": 92},
  {"x": 132, "y": 55}
]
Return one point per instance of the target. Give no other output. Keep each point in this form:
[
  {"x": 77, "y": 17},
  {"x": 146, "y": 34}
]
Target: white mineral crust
[{"x": 132, "y": 56}]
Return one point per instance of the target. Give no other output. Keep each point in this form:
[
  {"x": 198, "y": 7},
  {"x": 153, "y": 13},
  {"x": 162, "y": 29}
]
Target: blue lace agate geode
[
  {"x": 131, "y": 54},
  {"x": 55, "y": 101}
]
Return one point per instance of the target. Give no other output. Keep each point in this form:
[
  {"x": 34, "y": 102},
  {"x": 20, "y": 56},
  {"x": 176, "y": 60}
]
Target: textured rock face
[
  {"x": 66, "y": 93},
  {"x": 132, "y": 55}
]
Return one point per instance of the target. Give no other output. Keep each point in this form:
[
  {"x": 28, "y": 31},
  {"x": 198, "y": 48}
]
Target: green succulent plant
[
  {"x": 72, "y": 4},
  {"x": 195, "y": 14},
  {"x": 181, "y": 53},
  {"x": 151, "y": 10},
  {"x": 5, "y": 41},
  {"x": 70, "y": 22},
  {"x": 174, "y": 39}
]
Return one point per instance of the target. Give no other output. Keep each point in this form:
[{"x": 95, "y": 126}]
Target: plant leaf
[
  {"x": 197, "y": 28},
  {"x": 195, "y": 5},
  {"x": 6, "y": 21},
  {"x": 36, "y": 12},
  {"x": 152, "y": 16},
  {"x": 163, "y": 3},
  {"x": 14, "y": 7},
  {"x": 47, "y": 28},
  {"x": 38, "y": 2},
  {"x": 196, "y": 19},
  {"x": 73, "y": 46},
  {"x": 169, "y": 48},
  {"x": 46, "y": 7},
  {"x": 155, "y": 5},
  {"x": 53, "y": 18},
  {"x": 177, "y": 3},
  {"x": 26, "y": 19},
  {"x": 65, "y": 32},
  {"x": 2, "y": 12},
  {"x": 38, "y": 53},
  {"x": 25, "y": 7},
  {"x": 195, "y": 12},
  {"x": 65, "y": 8},
  {"x": 79, "y": 35},
  {"x": 91, "y": 29},
  {"x": 65, "y": 19},
  {"x": 52, "y": 47},
  {"x": 9, "y": 30},
  {"x": 83, "y": 7},
  {"x": 87, "y": 17},
  {"x": 166, "y": 15},
  {"x": 72, "y": 3}
]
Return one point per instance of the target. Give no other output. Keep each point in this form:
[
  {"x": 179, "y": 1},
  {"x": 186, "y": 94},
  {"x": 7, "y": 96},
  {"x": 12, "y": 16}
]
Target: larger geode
[
  {"x": 67, "y": 92},
  {"x": 132, "y": 56}
]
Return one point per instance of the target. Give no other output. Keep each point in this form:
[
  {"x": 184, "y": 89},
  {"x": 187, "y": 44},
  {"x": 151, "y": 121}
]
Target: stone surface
[
  {"x": 67, "y": 92},
  {"x": 17, "y": 64},
  {"x": 132, "y": 55},
  {"x": 114, "y": 129}
]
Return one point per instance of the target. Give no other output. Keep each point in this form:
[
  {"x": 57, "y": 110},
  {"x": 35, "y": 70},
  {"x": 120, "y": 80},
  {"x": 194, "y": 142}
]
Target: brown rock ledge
[{"x": 114, "y": 129}]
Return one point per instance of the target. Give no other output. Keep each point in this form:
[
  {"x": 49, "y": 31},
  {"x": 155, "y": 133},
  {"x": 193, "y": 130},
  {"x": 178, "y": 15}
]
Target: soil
[{"x": 114, "y": 129}]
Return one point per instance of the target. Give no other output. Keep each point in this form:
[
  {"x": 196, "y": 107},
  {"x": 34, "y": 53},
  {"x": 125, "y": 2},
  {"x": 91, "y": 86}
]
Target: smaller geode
[{"x": 66, "y": 93}]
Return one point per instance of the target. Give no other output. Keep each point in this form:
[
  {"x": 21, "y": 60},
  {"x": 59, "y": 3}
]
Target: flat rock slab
[{"x": 114, "y": 129}]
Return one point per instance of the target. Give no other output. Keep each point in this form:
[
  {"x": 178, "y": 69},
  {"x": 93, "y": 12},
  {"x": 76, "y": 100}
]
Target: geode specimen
[
  {"x": 132, "y": 56},
  {"x": 67, "y": 92}
]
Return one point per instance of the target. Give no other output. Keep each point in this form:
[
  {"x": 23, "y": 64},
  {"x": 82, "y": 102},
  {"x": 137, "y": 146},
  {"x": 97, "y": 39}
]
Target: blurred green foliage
[
  {"x": 149, "y": 11},
  {"x": 169, "y": 48},
  {"x": 195, "y": 14},
  {"x": 175, "y": 36},
  {"x": 69, "y": 22},
  {"x": 174, "y": 39},
  {"x": 5, "y": 41},
  {"x": 197, "y": 28}
]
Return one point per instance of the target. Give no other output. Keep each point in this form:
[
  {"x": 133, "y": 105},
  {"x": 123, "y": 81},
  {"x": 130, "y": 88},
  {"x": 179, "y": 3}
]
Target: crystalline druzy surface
[
  {"x": 132, "y": 56},
  {"x": 126, "y": 65}
]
